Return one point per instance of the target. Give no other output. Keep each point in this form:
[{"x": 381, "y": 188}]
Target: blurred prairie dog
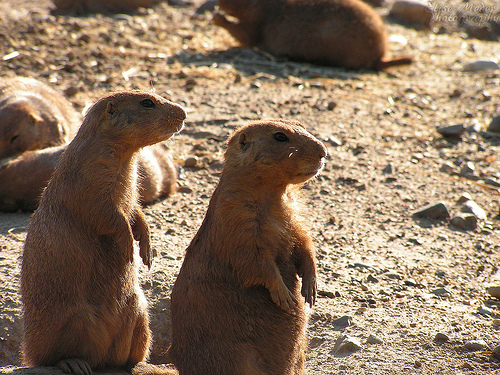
[{"x": 345, "y": 33}]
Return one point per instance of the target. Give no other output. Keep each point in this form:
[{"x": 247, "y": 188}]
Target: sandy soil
[{"x": 379, "y": 266}]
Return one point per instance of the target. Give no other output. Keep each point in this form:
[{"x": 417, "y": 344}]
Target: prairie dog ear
[
  {"x": 34, "y": 118},
  {"x": 109, "y": 108},
  {"x": 243, "y": 142}
]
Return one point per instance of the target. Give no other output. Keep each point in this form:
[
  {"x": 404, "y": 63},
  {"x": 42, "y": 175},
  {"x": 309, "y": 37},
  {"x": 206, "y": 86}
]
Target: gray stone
[
  {"x": 494, "y": 125},
  {"x": 412, "y": 12},
  {"x": 346, "y": 344},
  {"x": 437, "y": 211},
  {"x": 442, "y": 292},
  {"x": 467, "y": 169},
  {"x": 464, "y": 198},
  {"x": 451, "y": 131},
  {"x": 494, "y": 291},
  {"x": 473, "y": 208},
  {"x": 481, "y": 65},
  {"x": 389, "y": 169},
  {"x": 484, "y": 310},
  {"x": 464, "y": 221},
  {"x": 441, "y": 337},
  {"x": 475, "y": 345},
  {"x": 491, "y": 181},
  {"x": 344, "y": 321},
  {"x": 372, "y": 339},
  {"x": 448, "y": 168}
]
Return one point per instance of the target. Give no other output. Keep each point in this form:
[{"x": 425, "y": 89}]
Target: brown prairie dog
[
  {"x": 83, "y": 305},
  {"x": 23, "y": 178},
  {"x": 237, "y": 305},
  {"x": 345, "y": 33},
  {"x": 33, "y": 116}
]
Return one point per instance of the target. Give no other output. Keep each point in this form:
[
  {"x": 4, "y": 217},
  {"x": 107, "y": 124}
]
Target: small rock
[
  {"x": 346, "y": 344},
  {"x": 371, "y": 279},
  {"x": 372, "y": 339},
  {"x": 334, "y": 141},
  {"x": 331, "y": 105},
  {"x": 437, "y": 211},
  {"x": 344, "y": 321},
  {"x": 448, "y": 168},
  {"x": 467, "y": 169},
  {"x": 464, "y": 221},
  {"x": 473, "y": 208},
  {"x": 483, "y": 310},
  {"x": 494, "y": 291},
  {"x": 464, "y": 198},
  {"x": 494, "y": 125},
  {"x": 410, "y": 282},
  {"x": 481, "y": 65},
  {"x": 389, "y": 169},
  {"x": 413, "y": 12},
  {"x": 184, "y": 189},
  {"x": 207, "y": 6},
  {"x": 442, "y": 292},
  {"x": 480, "y": 32},
  {"x": 491, "y": 181},
  {"x": 191, "y": 162},
  {"x": 441, "y": 337},
  {"x": 496, "y": 351},
  {"x": 475, "y": 345},
  {"x": 451, "y": 131}
]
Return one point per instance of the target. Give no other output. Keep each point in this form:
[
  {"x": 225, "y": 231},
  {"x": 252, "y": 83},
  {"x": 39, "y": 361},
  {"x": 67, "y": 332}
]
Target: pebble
[
  {"x": 442, "y": 292},
  {"x": 344, "y": 321},
  {"x": 437, "y": 211},
  {"x": 346, "y": 344},
  {"x": 473, "y": 208},
  {"x": 331, "y": 105},
  {"x": 441, "y": 337},
  {"x": 372, "y": 339},
  {"x": 496, "y": 351},
  {"x": 475, "y": 345},
  {"x": 184, "y": 189},
  {"x": 483, "y": 310},
  {"x": 191, "y": 162},
  {"x": 371, "y": 279},
  {"x": 491, "y": 181},
  {"x": 451, "y": 131},
  {"x": 480, "y": 65},
  {"x": 467, "y": 169},
  {"x": 494, "y": 125},
  {"x": 389, "y": 169},
  {"x": 464, "y": 198},
  {"x": 448, "y": 168},
  {"x": 413, "y": 12},
  {"x": 494, "y": 291},
  {"x": 464, "y": 221}
]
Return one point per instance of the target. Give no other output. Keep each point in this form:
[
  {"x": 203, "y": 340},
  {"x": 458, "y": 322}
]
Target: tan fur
[
  {"x": 100, "y": 6},
  {"x": 33, "y": 116},
  {"x": 345, "y": 33},
  {"x": 237, "y": 305},
  {"x": 23, "y": 178},
  {"x": 83, "y": 305}
]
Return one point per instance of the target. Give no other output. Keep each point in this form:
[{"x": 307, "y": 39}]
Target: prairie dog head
[{"x": 275, "y": 151}]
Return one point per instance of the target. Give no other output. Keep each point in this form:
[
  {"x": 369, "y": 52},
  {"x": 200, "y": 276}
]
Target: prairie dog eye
[
  {"x": 280, "y": 137},
  {"x": 147, "y": 103}
]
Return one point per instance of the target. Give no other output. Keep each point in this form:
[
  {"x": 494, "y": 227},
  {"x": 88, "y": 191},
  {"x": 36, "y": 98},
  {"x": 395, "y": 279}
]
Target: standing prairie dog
[
  {"x": 33, "y": 116},
  {"x": 345, "y": 33},
  {"x": 83, "y": 305},
  {"x": 237, "y": 305}
]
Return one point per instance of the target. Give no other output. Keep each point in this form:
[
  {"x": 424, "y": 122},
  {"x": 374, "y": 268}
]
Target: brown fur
[
  {"x": 33, "y": 116},
  {"x": 100, "y": 6},
  {"x": 22, "y": 179},
  {"x": 237, "y": 304},
  {"x": 83, "y": 306},
  {"x": 345, "y": 33}
]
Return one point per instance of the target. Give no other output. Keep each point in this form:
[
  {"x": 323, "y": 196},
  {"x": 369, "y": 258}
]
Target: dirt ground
[{"x": 394, "y": 280}]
